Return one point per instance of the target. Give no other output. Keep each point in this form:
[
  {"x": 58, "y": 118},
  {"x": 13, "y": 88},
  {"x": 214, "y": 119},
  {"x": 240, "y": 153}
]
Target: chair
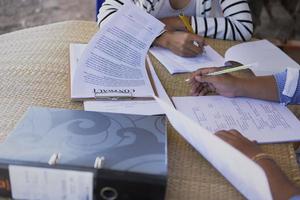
[{"x": 98, "y": 5}]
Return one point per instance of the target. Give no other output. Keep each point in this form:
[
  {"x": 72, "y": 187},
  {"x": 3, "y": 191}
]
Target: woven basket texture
[{"x": 34, "y": 71}]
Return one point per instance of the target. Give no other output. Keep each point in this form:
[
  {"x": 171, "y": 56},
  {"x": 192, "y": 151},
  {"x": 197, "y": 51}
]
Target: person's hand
[
  {"x": 238, "y": 141},
  {"x": 225, "y": 85},
  {"x": 181, "y": 43}
]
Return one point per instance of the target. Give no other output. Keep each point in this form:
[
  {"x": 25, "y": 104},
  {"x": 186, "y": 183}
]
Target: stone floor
[{"x": 20, "y": 14}]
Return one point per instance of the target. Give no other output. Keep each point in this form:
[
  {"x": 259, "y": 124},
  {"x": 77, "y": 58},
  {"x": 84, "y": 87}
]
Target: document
[
  {"x": 244, "y": 174},
  {"x": 144, "y": 107},
  {"x": 269, "y": 58},
  {"x": 113, "y": 64},
  {"x": 263, "y": 121},
  {"x": 178, "y": 64}
]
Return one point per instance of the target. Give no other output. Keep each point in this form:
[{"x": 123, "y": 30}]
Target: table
[{"x": 34, "y": 70}]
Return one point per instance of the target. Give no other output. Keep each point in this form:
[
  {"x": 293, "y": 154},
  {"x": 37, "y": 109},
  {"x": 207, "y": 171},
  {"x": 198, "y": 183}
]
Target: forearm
[
  {"x": 263, "y": 87},
  {"x": 281, "y": 187}
]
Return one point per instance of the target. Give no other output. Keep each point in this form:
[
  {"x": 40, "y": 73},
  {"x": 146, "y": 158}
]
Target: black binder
[{"x": 133, "y": 148}]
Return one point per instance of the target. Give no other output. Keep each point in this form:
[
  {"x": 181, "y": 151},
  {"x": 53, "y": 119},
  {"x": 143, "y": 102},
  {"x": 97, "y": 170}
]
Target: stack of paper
[{"x": 142, "y": 107}]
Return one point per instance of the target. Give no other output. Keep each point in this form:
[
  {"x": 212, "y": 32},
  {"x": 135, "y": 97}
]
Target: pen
[
  {"x": 186, "y": 23},
  {"x": 234, "y": 69},
  {"x": 225, "y": 71}
]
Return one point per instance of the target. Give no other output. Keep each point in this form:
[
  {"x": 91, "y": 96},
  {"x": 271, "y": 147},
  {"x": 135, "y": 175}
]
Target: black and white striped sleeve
[
  {"x": 235, "y": 25},
  {"x": 109, "y": 7}
]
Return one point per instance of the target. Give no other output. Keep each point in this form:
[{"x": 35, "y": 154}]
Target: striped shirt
[{"x": 235, "y": 24}]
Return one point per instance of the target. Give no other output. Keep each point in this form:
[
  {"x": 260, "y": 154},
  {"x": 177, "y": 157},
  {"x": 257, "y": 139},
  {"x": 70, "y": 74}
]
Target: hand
[
  {"x": 277, "y": 179},
  {"x": 225, "y": 85},
  {"x": 181, "y": 43},
  {"x": 238, "y": 141}
]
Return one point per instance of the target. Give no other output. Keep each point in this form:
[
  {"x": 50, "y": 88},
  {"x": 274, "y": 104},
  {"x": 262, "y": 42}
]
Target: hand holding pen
[
  {"x": 224, "y": 84},
  {"x": 179, "y": 40}
]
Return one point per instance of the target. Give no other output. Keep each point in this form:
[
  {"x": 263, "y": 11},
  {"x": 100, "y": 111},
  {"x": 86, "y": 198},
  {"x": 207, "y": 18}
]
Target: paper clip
[
  {"x": 111, "y": 97},
  {"x": 54, "y": 159},
  {"x": 99, "y": 162}
]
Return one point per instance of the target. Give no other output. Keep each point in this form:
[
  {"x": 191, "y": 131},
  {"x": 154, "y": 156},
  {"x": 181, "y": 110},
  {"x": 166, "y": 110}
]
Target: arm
[
  {"x": 261, "y": 87},
  {"x": 179, "y": 42},
  {"x": 235, "y": 25},
  {"x": 281, "y": 187},
  {"x": 109, "y": 7}
]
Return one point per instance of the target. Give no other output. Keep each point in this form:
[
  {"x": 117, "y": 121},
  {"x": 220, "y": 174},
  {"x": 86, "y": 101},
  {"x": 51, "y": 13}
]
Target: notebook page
[{"x": 269, "y": 58}]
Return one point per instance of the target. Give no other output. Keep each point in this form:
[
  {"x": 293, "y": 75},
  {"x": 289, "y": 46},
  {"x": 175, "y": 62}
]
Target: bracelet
[{"x": 260, "y": 156}]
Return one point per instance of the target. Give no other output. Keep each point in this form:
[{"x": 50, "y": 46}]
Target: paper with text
[
  {"x": 48, "y": 184},
  {"x": 239, "y": 170},
  {"x": 263, "y": 121},
  {"x": 178, "y": 64},
  {"x": 145, "y": 107},
  {"x": 113, "y": 64}
]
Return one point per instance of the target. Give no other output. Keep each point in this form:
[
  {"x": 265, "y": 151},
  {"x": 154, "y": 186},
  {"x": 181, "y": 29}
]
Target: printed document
[
  {"x": 244, "y": 174},
  {"x": 113, "y": 64},
  {"x": 144, "y": 107},
  {"x": 178, "y": 64},
  {"x": 138, "y": 107},
  {"x": 263, "y": 121}
]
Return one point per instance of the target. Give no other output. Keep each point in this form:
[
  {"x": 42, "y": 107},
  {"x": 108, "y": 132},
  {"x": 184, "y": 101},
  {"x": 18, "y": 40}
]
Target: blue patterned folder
[{"x": 128, "y": 143}]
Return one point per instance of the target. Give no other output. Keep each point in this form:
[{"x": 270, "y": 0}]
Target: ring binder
[
  {"x": 99, "y": 161},
  {"x": 54, "y": 159},
  {"x": 135, "y": 167}
]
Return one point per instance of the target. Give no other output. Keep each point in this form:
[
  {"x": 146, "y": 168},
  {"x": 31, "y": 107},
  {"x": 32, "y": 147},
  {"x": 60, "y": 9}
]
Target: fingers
[
  {"x": 204, "y": 71},
  {"x": 198, "y": 39},
  {"x": 230, "y": 136},
  {"x": 192, "y": 45},
  {"x": 206, "y": 79}
]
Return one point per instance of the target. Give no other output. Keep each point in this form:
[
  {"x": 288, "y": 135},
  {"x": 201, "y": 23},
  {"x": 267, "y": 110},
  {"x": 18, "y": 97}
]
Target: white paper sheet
[
  {"x": 178, "y": 64},
  {"x": 144, "y": 107},
  {"x": 240, "y": 171},
  {"x": 263, "y": 121},
  {"x": 113, "y": 64},
  {"x": 49, "y": 184},
  {"x": 270, "y": 58}
]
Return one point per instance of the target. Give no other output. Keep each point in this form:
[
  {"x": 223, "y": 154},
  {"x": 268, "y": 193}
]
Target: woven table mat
[{"x": 34, "y": 71}]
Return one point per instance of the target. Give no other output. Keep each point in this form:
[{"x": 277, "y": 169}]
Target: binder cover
[{"x": 133, "y": 148}]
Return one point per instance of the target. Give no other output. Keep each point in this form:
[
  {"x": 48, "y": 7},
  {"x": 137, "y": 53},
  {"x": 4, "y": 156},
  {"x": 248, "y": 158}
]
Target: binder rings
[{"x": 125, "y": 155}]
